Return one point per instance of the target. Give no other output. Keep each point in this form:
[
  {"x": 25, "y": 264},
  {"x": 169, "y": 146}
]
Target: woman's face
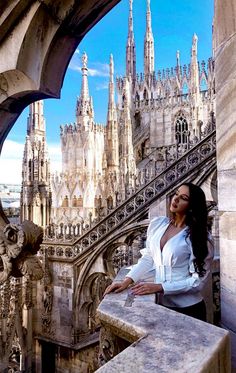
[{"x": 180, "y": 201}]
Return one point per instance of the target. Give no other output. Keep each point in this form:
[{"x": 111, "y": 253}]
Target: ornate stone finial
[
  {"x": 111, "y": 65},
  {"x": 84, "y": 59},
  {"x": 194, "y": 45},
  {"x": 84, "y": 107},
  {"x": 130, "y": 16},
  {"x": 148, "y": 16},
  {"x": 178, "y": 57},
  {"x": 195, "y": 38}
]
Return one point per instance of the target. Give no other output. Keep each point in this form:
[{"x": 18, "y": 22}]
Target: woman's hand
[
  {"x": 146, "y": 288},
  {"x": 117, "y": 287}
]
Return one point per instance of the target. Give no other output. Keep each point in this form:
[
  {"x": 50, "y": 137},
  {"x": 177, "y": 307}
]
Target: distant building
[{"x": 10, "y": 199}]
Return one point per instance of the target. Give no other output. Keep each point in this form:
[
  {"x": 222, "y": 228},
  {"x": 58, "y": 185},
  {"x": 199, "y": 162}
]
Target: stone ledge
[{"x": 165, "y": 341}]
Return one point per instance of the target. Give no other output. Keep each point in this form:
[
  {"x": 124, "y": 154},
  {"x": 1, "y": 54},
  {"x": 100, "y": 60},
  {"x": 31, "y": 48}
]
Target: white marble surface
[{"x": 166, "y": 341}]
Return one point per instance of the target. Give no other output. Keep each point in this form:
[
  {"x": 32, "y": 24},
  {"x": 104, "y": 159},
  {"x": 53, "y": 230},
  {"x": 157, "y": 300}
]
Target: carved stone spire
[
  {"x": 130, "y": 47},
  {"x": 36, "y": 190},
  {"x": 84, "y": 107},
  {"x": 36, "y": 121},
  {"x": 111, "y": 102},
  {"x": 178, "y": 70},
  {"x": 111, "y": 139},
  {"x": 127, "y": 159},
  {"x": 194, "y": 67},
  {"x": 111, "y": 83},
  {"x": 84, "y": 86},
  {"x": 178, "y": 59},
  {"x": 148, "y": 44},
  {"x": 194, "y": 87}
]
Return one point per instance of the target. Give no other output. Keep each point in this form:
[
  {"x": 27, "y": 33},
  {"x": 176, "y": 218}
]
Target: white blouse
[{"x": 174, "y": 267}]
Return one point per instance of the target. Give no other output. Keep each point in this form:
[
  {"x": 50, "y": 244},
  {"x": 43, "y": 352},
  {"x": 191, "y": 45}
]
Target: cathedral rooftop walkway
[
  {"x": 158, "y": 339},
  {"x": 70, "y": 242}
]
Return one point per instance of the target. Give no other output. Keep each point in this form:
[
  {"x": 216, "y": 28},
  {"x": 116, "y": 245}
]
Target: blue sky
[{"x": 173, "y": 25}]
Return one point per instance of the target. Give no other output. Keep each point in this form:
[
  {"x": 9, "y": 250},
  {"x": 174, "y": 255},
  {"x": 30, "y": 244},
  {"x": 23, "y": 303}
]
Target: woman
[{"x": 181, "y": 250}]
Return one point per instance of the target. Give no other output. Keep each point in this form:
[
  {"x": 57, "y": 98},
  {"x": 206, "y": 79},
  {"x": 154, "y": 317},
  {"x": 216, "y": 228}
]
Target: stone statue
[
  {"x": 19, "y": 245},
  {"x": 47, "y": 299}
]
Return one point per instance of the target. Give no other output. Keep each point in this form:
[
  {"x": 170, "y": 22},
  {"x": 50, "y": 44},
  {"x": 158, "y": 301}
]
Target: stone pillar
[{"x": 225, "y": 74}]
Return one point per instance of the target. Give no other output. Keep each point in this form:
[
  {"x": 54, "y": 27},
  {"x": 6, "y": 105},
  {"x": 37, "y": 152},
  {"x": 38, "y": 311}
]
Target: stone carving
[
  {"x": 12, "y": 332},
  {"x": 216, "y": 298},
  {"x": 14, "y": 356},
  {"x": 97, "y": 289},
  {"x": 18, "y": 246},
  {"x": 47, "y": 299},
  {"x": 128, "y": 254},
  {"x": 110, "y": 345}
]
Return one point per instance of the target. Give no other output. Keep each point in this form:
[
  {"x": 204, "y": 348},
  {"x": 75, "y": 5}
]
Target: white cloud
[
  {"x": 101, "y": 86},
  {"x": 12, "y": 150},
  {"x": 10, "y": 171},
  {"x": 54, "y": 152},
  {"x": 11, "y": 161},
  {"x": 99, "y": 70},
  {"x": 94, "y": 68}
]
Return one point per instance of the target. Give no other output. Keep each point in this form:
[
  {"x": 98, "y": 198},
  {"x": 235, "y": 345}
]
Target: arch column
[{"x": 225, "y": 73}]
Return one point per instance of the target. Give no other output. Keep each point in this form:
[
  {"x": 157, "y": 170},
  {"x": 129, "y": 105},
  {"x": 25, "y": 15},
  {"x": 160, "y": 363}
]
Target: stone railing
[
  {"x": 160, "y": 102},
  {"x": 68, "y": 242},
  {"x": 139, "y": 336}
]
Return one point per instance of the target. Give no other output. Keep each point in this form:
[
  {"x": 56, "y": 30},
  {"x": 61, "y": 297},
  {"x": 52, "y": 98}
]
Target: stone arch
[
  {"x": 84, "y": 301},
  {"x": 108, "y": 254},
  {"x": 118, "y": 237},
  {"x": 91, "y": 296}
]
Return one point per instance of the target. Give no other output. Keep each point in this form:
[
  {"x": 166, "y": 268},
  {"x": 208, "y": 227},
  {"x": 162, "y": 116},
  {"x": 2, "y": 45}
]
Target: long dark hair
[{"x": 196, "y": 220}]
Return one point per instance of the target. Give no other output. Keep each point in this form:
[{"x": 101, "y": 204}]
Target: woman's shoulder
[{"x": 158, "y": 222}]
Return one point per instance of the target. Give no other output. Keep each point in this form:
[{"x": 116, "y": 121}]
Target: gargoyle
[{"x": 19, "y": 245}]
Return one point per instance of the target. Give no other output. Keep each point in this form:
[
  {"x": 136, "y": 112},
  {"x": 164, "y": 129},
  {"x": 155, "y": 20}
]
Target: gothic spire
[
  {"x": 178, "y": 69},
  {"x": 194, "y": 67},
  {"x": 148, "y": 44},
  {"x": 111, "y": 141},
  {"x": 127, "y": 158},
  {"x": 36, "y": 190},
  {"x": 111, "y": 84},
  {"x": 84, "y": 108},
  {"x": 84, "y": 87},
  {"x": 130, "y": 47}
]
